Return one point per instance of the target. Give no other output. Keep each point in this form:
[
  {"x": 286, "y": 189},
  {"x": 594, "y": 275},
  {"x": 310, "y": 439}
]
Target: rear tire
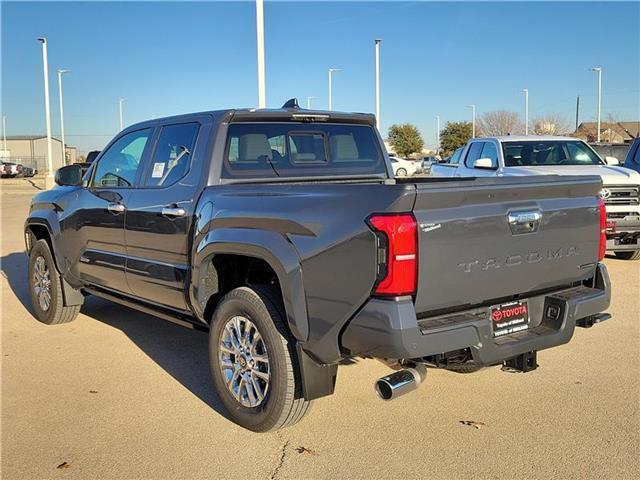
[
  {"x": 634, "y": 255},
  {"x": 253, "y": 361},
  {"x": 45, "y": 288},
  {"x": 401, "y": 172}
]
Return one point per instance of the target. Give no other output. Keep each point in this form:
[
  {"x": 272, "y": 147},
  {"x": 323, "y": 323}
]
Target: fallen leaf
[
  {"x": 93, "y": 391},
  {"x": 305, "y": 450},
  {"x": 577, "y": 383},
  {"x": 471, "y": 423},
  {"x": 63, "y": 465}
]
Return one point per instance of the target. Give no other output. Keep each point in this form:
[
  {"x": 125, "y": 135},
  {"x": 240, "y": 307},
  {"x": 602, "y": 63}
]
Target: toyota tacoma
[{"x": 284, "y": 234}]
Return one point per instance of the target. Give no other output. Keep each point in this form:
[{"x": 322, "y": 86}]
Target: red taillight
[
  {"x": 603, "y": 229},
  {"x": 397, "y": 253}
]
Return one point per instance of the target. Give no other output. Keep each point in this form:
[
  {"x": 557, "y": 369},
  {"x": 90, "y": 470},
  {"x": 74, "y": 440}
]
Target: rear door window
[
  {"x": 259, "y": 150},
  {"x": 455, "y": 158},
  {"x": 172, "y": 155}
]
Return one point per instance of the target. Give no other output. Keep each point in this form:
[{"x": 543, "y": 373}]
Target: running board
[{"x": 177, "y": 318}]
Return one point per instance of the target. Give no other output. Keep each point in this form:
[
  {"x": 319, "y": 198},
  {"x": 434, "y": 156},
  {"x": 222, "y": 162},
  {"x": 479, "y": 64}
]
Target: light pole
[
  {"x": 526, "y": 111},
  {"x": 120, "y": 102},
  {"x": 309, "y": 102},
  {"x": 48, "y": 181},
  {"x": 599, "y": 70},
  {"x": 262, "y": 95},
  {"x": 331, "y": 70},
  {"x": 378, "y": 42},
  {"x": 64, "y": 152},
  {"x": 473, "y": 120},
  {"x": 437, "y": 134},
  {"x": 4, "y": 134}
]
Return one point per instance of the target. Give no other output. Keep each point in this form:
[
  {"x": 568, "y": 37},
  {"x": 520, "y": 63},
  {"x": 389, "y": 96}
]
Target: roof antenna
[{"x": 291, "y": 104}]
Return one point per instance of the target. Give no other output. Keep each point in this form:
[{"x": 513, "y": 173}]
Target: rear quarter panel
[{"x": 325, "y": 226}]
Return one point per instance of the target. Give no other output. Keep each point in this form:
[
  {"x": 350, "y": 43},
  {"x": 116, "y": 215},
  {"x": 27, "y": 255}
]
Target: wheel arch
[
  {"x": 41, "y": 227},
  {"x": 44, "y": 225},
  {"x": 266, "y": 248}
]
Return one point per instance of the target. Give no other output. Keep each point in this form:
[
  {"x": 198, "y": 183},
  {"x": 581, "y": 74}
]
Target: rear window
[{"x": 262, "y": 150}]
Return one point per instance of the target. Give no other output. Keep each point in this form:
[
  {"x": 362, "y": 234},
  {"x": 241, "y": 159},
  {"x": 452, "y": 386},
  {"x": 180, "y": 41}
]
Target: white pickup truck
[{"x": 546, "y": 155}]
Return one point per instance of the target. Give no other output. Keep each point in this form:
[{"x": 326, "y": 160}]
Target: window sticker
[{"x": 158, "y": 170}]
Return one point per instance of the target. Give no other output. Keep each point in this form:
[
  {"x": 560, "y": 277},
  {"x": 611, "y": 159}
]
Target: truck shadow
[
  {"x": 14, "y": 269},
  {"x": 181, "y": 352}
]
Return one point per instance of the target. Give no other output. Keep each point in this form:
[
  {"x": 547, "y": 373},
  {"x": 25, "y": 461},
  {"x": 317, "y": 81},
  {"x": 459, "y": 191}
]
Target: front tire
[
  {"x": 401, "y": 172},
  {"x": 253, "y": 361},
  {"x": 45, "y": 288},
  {"x": 625, "y": 255}
]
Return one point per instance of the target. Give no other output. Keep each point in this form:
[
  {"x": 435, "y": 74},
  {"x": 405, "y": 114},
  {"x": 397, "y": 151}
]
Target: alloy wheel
[
  {"x": 42, "y": 283},
  {"x": 244, "y": 361}
]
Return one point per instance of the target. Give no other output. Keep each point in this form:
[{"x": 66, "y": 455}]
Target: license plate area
[{"x": 508, "y": 318}]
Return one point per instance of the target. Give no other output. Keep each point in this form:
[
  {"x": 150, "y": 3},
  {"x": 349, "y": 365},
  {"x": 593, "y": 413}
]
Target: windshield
[{"x": 548, "y": 153}]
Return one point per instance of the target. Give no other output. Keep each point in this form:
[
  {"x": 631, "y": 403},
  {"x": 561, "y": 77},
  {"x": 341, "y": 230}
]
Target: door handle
[
  {"x": 116, "y": 208},
  {"x": 173, "y": 212}
]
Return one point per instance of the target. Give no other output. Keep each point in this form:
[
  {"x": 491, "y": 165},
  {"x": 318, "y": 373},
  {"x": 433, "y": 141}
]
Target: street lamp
[
  {"x": 437, "y": 134},
  {"x": 378, "y": 42},
  {"x": 526, "y": 111},
  {"x": 599, "y": 70},
  {"x": 4, "y": 134},
  {"x": 64, "y": 152},
  {"x": 309, "y": 102},
  {"x": 48, "y": 182},
  {"x": 120, "y": 102},
  {"x": 473, "y": 120},
  {"x": 331, "y": 71},
  {"x": 262, "y": 96}
]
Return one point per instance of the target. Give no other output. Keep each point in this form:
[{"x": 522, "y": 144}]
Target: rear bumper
[{"x": 390, "y": 329}]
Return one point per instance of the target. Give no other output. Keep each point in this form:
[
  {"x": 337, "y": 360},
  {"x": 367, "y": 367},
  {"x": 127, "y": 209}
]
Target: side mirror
[
  {"x": 69, "y": 176},
  {"x": 485, "y": 163},
  {"x": 613, "y": 161}
]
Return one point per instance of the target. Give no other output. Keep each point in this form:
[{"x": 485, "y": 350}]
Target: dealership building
[{"x": 31, "y": 151}]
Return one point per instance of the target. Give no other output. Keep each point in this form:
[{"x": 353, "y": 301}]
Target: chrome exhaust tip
[{"x": 400, "y": 382}]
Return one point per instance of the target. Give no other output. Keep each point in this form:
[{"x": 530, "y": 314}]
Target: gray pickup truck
[{"x": 284, "y": 235}]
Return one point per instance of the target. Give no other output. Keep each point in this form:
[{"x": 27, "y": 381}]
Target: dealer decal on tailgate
[{"x": 509, "y": 318}]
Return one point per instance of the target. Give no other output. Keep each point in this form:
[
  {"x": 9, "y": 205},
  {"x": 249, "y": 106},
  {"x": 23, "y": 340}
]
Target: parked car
[
  {"x": 402, "y": 167},
  {"x": 632, "y": 161},
  {"x": 28, "y": 171},
  {"x": 11, "y": 170},
  {"x": 285, "y": 235},
  {"x": 91, "y": 156},
  {"x": 539, "y": 155},
  {"x": 426, "y": 163}
]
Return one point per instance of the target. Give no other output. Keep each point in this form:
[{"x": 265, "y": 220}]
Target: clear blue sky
[{"x": 436, "y": 58}]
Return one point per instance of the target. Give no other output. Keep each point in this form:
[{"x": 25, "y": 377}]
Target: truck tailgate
[{"x": 495, "y": 239}]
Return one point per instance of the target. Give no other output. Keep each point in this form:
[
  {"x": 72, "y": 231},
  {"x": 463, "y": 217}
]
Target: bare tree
[
  {"x": 551, "y": 124},
  {"x": 500, "y": 122}
]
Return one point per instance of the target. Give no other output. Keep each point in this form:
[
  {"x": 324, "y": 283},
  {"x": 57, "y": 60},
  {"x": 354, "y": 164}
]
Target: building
[
  {"x": 31, "y": 150},
  {"x": 610, "y": 132}
]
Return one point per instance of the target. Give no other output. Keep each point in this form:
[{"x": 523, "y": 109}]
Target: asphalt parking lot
[{"x": 120, "y": 394}]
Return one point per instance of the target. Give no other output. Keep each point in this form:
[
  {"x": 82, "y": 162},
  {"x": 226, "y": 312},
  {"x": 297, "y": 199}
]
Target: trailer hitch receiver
[{"x": 525, "y": 362}]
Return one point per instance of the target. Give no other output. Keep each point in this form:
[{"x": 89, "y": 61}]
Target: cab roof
[{"x": 266, "y": 115}]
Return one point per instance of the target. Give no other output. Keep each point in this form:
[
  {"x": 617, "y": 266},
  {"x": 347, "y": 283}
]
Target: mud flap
[{"x": 318, "y": 380}]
